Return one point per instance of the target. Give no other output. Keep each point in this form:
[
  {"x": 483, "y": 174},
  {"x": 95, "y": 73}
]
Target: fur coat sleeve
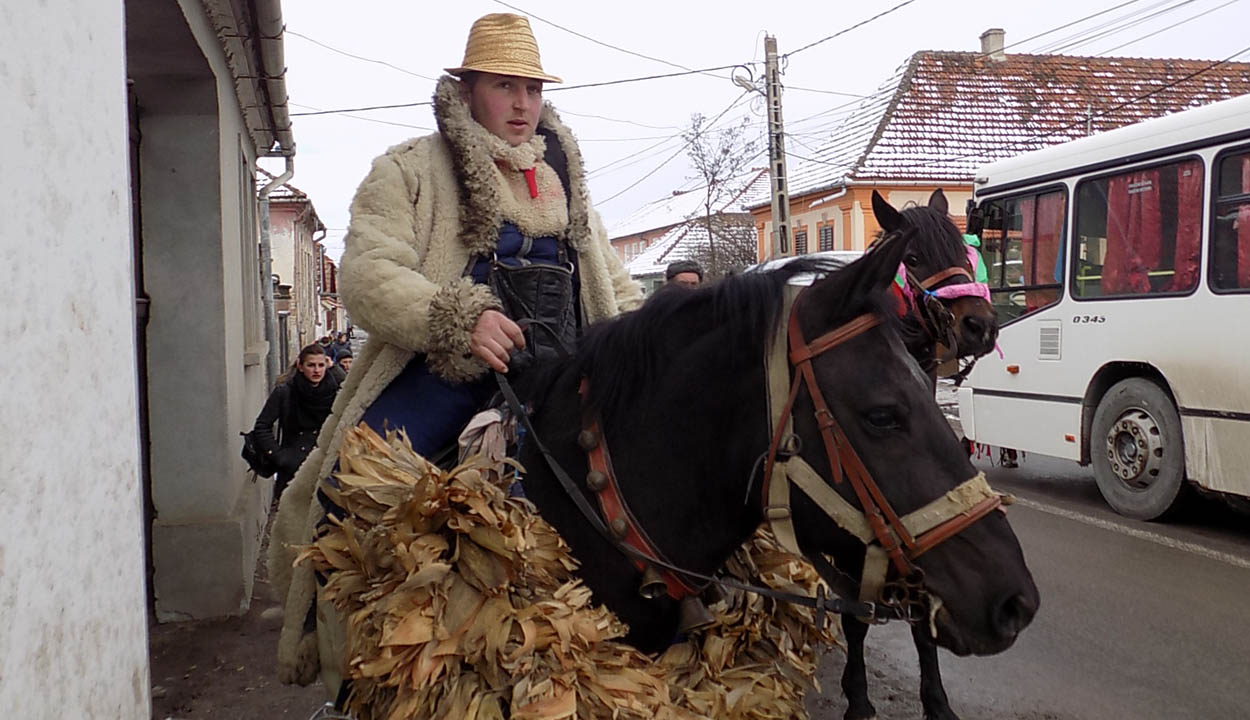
[
  {"x": 626, "y": 291},
  {"x": 383, "y": 288}
]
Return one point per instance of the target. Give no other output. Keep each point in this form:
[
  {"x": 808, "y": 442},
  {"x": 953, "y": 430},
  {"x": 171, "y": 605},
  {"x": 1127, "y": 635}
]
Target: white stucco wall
[{"x": 73, "y": 625}]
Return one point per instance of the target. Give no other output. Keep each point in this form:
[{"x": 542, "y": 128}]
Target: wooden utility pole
[{"x": 776, "y": 151}]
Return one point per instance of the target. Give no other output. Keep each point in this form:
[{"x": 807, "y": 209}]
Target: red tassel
[{"x": 532, "y": 181}]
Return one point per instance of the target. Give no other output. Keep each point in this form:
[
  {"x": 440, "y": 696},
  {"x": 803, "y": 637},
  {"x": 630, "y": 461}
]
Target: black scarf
[{"x": 310, "y": 404}]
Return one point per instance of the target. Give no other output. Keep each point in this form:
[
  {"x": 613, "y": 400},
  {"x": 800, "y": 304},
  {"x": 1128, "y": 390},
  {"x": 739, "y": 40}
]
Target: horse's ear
[
  {"x": 938, "y": 202},
  {"x": 887, "y": 217},
  {"x": 883, "y": 258}
]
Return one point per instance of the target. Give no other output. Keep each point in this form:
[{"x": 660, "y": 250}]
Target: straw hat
[{"x": 502, "y": 43}]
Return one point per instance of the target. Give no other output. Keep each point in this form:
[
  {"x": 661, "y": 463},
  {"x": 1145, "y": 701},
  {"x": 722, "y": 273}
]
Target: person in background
[
  {"x": 342, "y": 364},
  {"x": 686, "y": 273},
  {"x": 339, "y": 346},
  {"x": 287, "y": 426}
]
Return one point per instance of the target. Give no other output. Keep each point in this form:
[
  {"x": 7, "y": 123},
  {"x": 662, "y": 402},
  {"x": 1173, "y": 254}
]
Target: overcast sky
[{"x": 644, "y": 119}]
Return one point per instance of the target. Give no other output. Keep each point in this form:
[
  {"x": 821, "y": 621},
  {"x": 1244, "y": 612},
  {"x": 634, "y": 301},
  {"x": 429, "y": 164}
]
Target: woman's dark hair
[{"x": 313, "y": 349}]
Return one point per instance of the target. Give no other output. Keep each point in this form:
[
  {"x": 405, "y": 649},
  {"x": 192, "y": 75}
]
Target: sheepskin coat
[{"x": 426, "y": 210}]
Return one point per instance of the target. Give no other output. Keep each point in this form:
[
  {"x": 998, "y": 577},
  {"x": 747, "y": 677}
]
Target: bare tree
[{"x": 720, "y": 157}]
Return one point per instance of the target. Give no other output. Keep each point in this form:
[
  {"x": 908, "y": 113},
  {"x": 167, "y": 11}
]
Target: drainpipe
[
  {"x": 828, "y": 198},
  {"x": 266, "y": 266}
]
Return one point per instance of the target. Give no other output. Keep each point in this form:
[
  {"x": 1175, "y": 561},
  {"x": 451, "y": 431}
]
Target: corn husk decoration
[{"x": 461, "y": 602}]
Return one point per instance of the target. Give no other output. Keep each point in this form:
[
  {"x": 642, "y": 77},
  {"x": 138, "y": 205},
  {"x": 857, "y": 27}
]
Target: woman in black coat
[{"x": 298, "y": 405}]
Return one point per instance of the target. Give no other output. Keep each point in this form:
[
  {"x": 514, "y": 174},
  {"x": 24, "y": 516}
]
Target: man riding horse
[{"x": 456, "y": 240}]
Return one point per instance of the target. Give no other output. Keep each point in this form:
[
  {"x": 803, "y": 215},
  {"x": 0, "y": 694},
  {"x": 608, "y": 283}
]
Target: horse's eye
[
  {"x": 882, "y": 419},
  {"x": 912, "y": 260}
]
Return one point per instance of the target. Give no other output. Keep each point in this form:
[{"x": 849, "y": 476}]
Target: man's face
[
  {"x": 346, "y": 363},
  {"x": 314, "y": 367},
  {"x": 686, "y": 279},
  {"x": 506, "y": 105}
]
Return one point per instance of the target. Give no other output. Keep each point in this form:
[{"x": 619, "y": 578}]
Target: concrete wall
[
  {"x": 204, "y": 339},
  {"x": 73, "y": 627}
]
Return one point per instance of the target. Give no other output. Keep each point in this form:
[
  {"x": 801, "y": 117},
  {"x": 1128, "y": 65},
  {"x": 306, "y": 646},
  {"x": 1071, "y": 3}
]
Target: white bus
[{"x": 1119, "y": 265}]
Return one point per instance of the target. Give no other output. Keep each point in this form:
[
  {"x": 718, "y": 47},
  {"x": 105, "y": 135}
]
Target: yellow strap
[
  {"x": 847, "y": 516},
  {"x": 961, "y": 499}
]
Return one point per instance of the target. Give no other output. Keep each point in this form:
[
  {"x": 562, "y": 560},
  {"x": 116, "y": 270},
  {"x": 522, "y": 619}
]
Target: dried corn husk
[{"x": 461, "y": 602}]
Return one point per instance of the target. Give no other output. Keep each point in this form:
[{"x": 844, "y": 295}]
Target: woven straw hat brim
[
  {"x": 503, "y": 69},
  {"x": 503, "y": 44}
]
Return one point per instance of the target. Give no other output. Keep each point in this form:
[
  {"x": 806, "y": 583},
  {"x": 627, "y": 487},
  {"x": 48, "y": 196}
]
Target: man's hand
[{"x": 494, "y": 337}]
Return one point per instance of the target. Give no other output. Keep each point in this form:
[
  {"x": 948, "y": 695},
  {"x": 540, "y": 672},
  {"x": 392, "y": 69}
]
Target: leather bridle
[{"x": 888, "y": 538}]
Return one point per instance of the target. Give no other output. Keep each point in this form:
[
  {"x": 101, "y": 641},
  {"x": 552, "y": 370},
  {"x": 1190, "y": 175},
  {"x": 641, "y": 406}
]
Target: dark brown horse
[
  {"x": 680, "y": 391},
  {"x": 939, "y": 262}
]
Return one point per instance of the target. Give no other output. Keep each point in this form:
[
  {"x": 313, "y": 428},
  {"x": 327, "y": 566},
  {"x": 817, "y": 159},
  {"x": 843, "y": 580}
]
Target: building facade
[
  {"x": 206, "y": 100},
  {"x": 294, "y": 234}
]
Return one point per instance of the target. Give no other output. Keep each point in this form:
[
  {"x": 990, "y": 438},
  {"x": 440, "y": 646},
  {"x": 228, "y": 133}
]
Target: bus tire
[{"x": 1137, "y": 449}]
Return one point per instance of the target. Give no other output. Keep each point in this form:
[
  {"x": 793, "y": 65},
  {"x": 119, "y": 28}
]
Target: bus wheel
[{"x": 1137, "y": 449}]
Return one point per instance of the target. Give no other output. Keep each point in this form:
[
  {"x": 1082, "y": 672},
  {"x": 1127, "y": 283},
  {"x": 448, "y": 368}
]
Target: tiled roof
[
  {"x": 285, "y": 191},
  {"x": 687, "y": 241},
  {"x": 943, "y": 114}
]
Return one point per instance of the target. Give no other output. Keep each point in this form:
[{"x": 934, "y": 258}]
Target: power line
[
  {"x": 680, "y": 150},
  {"x": 359, "y": 117},
  {"x": 1068, "y": 25},
  {"x": 600, "y": 42},
  {"x": 565, "y": 111},
  {"x": 1122, "y": 27},
  {"x": 844, "y": 31},
  {"x": 606, "y": 83},
  {"x": 1086, "y": 32},
  {"x": 1169, "y": 27},
  {"x": 358, "y": 57}
]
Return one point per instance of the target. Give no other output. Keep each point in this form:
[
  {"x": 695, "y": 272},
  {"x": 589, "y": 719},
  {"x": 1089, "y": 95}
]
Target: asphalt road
[{"x": 1138, "y": 620}]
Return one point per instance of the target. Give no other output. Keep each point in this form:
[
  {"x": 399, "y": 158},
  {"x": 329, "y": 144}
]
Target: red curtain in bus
[
  {"x": 1041, "y": 256},
  {"x": 1188, "y": 226},
  {"x": 1134, "y": 233},
  {"x": 1243, "y": 230}
]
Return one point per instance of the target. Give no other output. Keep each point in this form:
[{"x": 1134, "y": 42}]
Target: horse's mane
[{"x": 625, "y": 356}]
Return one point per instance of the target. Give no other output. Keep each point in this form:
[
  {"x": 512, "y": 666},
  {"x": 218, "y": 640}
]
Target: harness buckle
[
  {"x": 777, "y": 512},
  {"x": 790, "y": 446}
]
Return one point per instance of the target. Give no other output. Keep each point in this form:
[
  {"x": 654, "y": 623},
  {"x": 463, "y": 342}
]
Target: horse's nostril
[
  {"x": 975, "y": 326},
  {"x": 1014, "y": 614}
]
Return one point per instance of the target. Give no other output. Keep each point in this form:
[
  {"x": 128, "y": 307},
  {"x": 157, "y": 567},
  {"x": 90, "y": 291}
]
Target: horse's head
[
  {"x": 937, "y": 248},
  {"x": 883, "y": 412}
]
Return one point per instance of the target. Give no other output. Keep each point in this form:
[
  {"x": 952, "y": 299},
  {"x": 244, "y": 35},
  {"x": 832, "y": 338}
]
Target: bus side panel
[
  {"x": 1044, "y": 426},
  {"x": 1217, "y": 454}
]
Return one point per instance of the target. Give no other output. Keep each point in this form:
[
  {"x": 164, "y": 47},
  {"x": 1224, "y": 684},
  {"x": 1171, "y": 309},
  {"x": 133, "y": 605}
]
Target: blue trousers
[{"x": 431, "y": 410}]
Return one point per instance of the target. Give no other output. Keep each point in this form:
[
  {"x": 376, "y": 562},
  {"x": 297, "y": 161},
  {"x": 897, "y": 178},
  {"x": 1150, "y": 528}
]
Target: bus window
[
  {"x": 1140, "y": 232},
  {"x": 1022, "y": 243},
  {"x": 1230, "y": 232}
]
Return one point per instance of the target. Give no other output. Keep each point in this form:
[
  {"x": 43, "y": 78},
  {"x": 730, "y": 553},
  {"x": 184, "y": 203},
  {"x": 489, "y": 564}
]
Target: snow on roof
[
  {"x": 684, "y": 204},
  {"x": 943, "y": 114},
  {"x": 689, "y": 241}
]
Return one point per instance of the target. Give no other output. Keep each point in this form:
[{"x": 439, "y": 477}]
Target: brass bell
[
  {"x": 619, "y": 527},
  {"x": 588, "y": 440},
  {"x": 693, "y": 614},
  {"x": 596, "y": 480},
  {"x": 652, "y": 586}
]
